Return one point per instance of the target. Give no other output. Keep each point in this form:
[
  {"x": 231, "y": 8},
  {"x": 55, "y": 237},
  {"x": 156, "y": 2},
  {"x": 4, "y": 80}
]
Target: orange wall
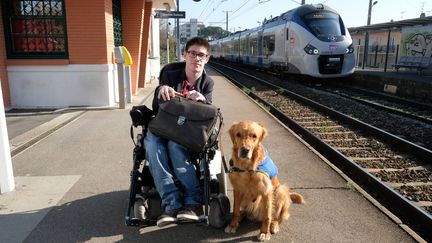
[
  {"x": 145, "y": 44},
  {"x": 87, "y": 31},
  {"x": 109, "y": 31},
  {"x": 3, "y": 72},
  {"x": 132, "y": 22}
]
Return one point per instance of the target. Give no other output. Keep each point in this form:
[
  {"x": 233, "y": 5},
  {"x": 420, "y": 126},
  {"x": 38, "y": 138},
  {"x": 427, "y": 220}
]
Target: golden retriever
[{"x": 257, "y": 193}]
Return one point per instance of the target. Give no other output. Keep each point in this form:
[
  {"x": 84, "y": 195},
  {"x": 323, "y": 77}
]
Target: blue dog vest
[{"x": 268, "y": 166}]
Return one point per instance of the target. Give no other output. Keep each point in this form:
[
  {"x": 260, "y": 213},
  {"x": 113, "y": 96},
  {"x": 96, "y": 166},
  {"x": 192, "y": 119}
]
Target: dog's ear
[
  {"x": 231, "y": 131},
  {"x": 263, "y": 130}
]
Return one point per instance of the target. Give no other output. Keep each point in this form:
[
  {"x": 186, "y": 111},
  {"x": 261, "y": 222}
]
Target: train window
[
  {"x": 243, "y": 47},
  {"x": 287, "y": 34},
  {"x": 323, "y": 24},
  {"x": 253, "y": 50},
  {"x": 268, "y": 45},
  {"x": 225, "y": 48},
  {"x": 229, "y": 47},
  {"x": 235, "y": 46}
]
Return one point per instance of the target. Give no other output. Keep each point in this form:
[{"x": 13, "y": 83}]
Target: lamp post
[
  {"x": 167, "y": 7},
  {"x": 178, "y": 31},
  {"x": 167, "y": 40},
  {"x": 178, "y": 34},
  {"x": 366, "y": 48},
  {"x": 226, "y": 21}
]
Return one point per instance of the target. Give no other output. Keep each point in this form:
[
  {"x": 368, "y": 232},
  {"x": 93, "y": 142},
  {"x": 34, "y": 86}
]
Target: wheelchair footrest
[{"x": 140, "y": 222}]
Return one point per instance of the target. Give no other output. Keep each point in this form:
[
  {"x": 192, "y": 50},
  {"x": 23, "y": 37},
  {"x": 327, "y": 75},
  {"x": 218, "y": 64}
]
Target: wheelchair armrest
[{"x": 141, "y": 115}]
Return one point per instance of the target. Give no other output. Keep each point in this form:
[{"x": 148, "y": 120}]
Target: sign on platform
[{"x": 163, "y": 14}]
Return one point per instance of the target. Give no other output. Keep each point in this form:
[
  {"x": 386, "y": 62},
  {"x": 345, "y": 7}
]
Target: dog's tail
[{"x": 296, "y": 197}]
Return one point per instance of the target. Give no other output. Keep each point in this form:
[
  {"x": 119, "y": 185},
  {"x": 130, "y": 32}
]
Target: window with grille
[
  {"x": 35, "y": 29},
  {"x": 117, "y": 23}
]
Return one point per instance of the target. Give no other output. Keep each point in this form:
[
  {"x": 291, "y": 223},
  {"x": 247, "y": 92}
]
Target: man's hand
[
  {"x": 166, "y": 93},
  {"x": 195, "y": 95}
]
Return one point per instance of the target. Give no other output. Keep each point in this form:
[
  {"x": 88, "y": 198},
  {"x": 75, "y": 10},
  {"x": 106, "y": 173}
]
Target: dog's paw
[
  {"x": 264, "y": 236},
  {"x": 274, "y": 227},
  {"x": 230, "y": 229}
]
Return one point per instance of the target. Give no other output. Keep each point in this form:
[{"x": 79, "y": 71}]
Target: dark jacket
[{"x": 174, "y": 75}]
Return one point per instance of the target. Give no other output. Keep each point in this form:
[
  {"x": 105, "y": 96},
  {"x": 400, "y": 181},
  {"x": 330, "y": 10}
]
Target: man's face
[{"x": 196, "y": 57}]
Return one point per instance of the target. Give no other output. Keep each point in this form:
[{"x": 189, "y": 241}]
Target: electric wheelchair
[{"x": 144, "y": 203}]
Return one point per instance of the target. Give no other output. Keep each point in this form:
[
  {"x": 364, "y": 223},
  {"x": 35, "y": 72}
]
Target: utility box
[{"x": 123, "y": 60}]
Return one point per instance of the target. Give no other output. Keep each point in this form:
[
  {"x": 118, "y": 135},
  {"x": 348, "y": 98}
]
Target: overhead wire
[
  {"x": 241, "y": 13},
  {"x": 295, "y": 2},
  {"x": 244, "y": 3},
  {"x": 214, "y": 9},
  {"x": 205, "y": 8}
]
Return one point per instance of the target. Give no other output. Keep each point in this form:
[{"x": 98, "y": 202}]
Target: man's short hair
[{"x": 200, "y": 41}]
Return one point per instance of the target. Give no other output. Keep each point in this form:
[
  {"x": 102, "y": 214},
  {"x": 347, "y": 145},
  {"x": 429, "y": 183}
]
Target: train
[{"x": 309, "y": 40}]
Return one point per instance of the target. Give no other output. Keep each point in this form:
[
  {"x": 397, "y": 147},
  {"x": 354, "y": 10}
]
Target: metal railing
[{"x": 377, "y": 56}]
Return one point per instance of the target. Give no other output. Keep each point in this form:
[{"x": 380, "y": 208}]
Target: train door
[
  {"x": 260, "y": 48},
  {"x": 239, "y": 59},
  {"x": 268, "y": 48},
  {"x": 248, "y": 47},
  {"x": 289, "y": 42},
  {"x": 253, "y": 48}
]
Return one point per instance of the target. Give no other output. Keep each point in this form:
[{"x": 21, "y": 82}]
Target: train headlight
[
  {"x": 311, "y": 50},
  {"x": 349, "y": 49}
]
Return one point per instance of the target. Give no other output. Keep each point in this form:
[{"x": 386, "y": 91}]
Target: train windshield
[{"x": 323, "y": 24}]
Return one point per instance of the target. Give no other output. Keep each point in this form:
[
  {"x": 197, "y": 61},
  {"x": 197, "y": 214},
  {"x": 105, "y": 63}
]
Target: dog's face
[{"x": 246, "y": 137}]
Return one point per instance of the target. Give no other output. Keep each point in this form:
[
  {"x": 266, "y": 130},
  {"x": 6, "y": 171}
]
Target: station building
[
  {"x": 60, "y": 53},
  {"x": 405, "y": 38}
]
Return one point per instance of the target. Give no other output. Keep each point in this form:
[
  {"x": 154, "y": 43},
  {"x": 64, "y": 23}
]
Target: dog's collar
[{"x": 237, "y": 169}]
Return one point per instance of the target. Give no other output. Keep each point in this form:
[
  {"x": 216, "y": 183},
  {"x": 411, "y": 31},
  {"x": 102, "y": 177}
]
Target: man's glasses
[{"x": 200, "y": 55}]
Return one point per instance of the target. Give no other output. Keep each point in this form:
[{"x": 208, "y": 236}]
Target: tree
[
  {"x": 164, "y": 32},
  {"x": 213, "y": 32}
]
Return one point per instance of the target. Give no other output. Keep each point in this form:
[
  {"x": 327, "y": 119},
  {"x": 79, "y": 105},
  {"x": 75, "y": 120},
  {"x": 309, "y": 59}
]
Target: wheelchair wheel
[
  {"x": 139, "y": 209},
  {"x": 219, "y": 211}
]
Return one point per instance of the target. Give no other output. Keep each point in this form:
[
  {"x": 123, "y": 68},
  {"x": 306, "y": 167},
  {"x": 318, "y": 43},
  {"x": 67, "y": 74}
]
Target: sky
[{"x": 245, "y": 14}]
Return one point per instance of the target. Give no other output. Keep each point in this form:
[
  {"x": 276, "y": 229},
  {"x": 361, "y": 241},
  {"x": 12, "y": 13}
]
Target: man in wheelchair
[{"x": 169, "y": 160}]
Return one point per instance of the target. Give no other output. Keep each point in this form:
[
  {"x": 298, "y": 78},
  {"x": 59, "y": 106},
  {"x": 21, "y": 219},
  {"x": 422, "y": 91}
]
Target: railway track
[
  {"x": 389, "y": 117},
  {"x": 400, "y": 106},
  {"x": 398, "y": 173}
]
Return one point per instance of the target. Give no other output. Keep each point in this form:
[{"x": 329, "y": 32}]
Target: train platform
[
  {"x": 72, "y": 186},
  {"x": 405, "y": 83},
  {"x": 425, "y": 76}
]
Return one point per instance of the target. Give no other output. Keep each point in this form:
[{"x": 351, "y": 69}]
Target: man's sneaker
[
  {"x": 190, "y": 213},
  {"x": 167, "y": 218}
]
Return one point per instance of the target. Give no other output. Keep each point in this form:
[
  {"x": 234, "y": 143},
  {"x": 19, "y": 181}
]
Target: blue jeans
[{"x": 160, "y": 152}]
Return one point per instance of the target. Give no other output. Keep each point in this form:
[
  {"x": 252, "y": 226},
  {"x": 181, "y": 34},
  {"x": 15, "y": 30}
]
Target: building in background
[
  {"x": 60, "y": 53},
  {"x": 405, "y": 38},
  {"x": 189, "y": 30}
]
